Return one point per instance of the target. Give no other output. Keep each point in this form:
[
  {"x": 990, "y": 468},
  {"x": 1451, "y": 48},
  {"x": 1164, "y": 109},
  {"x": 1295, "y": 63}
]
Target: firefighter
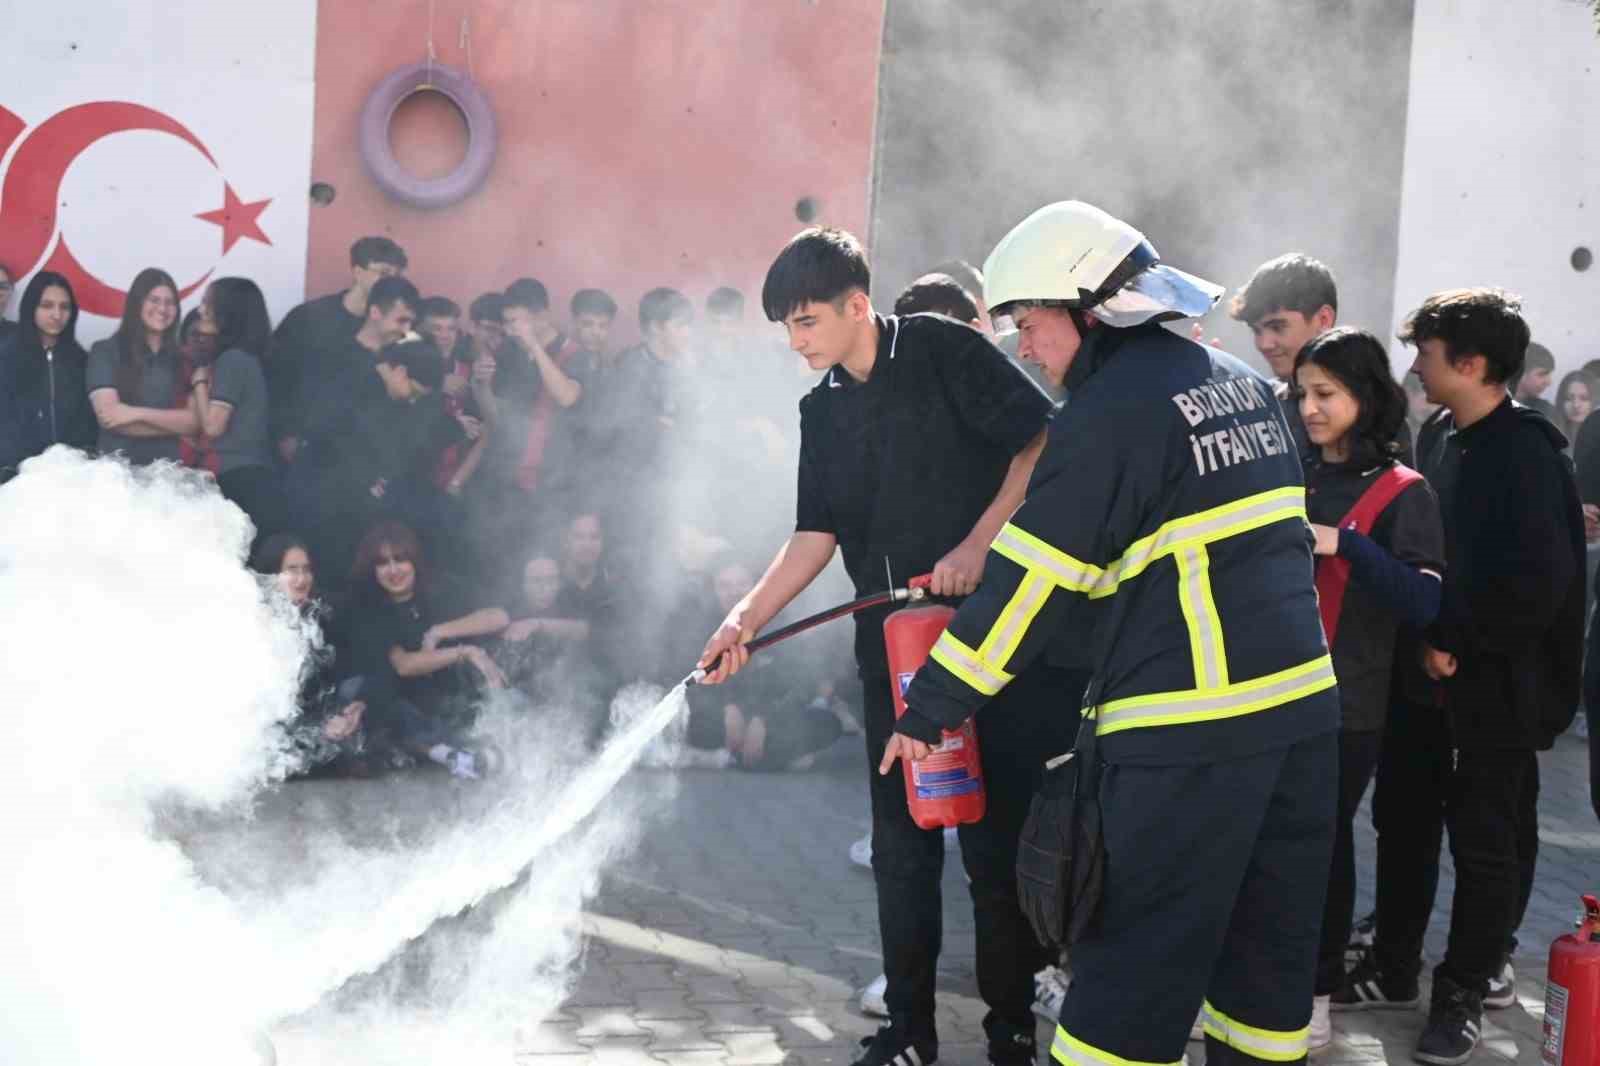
[{"x": 1171, "y": 479}]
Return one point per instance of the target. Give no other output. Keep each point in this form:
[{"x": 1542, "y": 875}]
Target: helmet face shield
[{"x": 1160, "y": 294}]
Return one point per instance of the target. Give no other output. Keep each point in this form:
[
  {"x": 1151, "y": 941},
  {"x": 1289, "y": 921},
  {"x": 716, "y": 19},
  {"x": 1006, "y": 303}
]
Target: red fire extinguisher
[
  {"x": 1572, "y": 994},
  {"x": 946, "y": 788}
]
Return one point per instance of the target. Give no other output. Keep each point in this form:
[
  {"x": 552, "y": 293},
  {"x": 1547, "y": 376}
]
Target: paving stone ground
[{"x": 740, "y": 932}]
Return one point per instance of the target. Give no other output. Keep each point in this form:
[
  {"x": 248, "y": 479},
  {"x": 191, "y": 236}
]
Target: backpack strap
[{"x": 1333, "y": 573}]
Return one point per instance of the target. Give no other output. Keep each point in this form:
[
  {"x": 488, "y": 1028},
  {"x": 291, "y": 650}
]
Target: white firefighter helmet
[{"x": 1075, "y": 253}]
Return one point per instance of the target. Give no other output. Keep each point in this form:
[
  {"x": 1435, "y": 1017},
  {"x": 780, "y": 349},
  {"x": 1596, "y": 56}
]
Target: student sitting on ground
[
  {"x": 346, "y": 725},
  {"x": 414, "y": 629},
  {"x": 771, "y": 717}
]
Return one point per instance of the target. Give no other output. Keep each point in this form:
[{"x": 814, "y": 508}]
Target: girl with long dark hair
[
  {"x": 1576, "y": 397},
  {"x": 1380, "y": 554},
  {"x": 351, "y": 723},
  {"x": 230, "y": 400},
  {"x": 135, "y": 380},
  {"x": 43, "y": 397}
]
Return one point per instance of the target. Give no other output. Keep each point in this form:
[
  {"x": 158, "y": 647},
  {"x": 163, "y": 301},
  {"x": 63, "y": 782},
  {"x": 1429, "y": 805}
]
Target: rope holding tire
[{"x": 376, "y": 114}]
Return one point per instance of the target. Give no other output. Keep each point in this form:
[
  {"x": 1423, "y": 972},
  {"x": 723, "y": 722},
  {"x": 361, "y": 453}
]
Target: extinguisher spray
[
  {"x": 946, "y": 788},
  {"x": 1572, "y": 994}
]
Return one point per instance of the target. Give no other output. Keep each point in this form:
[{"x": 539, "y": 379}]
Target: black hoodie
[
  {"x": 1512, "y": 606},
  {"x": 43, "y": 398}
]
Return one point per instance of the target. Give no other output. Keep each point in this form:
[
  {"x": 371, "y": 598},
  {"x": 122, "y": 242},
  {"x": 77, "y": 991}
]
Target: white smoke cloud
[{"x": 148, "y": 914}]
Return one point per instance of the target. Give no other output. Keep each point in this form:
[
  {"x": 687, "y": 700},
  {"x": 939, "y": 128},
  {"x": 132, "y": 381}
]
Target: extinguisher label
[{"x": 1555, "y": 1022}]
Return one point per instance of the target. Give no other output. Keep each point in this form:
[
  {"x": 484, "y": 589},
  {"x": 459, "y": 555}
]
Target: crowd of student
[
  {"x": 461, "y": 502},
  {"x": 497, "y": 500}
]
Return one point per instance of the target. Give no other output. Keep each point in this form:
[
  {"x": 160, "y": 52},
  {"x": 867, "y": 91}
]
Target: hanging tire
[{"x": 386, "y": 171}]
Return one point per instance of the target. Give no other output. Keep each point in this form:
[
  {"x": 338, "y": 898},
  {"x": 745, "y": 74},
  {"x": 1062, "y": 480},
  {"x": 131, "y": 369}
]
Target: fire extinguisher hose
[{"x": 915, "y": 589}]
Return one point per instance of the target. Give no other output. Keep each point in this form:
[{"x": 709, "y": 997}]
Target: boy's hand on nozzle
[{"x": 725, "y": 653}]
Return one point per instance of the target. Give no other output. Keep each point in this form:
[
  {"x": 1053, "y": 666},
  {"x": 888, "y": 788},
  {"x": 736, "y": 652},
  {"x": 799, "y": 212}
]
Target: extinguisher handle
[
  {"x": 1589, "y": 924},
  {"x": 921, "y": 581}
]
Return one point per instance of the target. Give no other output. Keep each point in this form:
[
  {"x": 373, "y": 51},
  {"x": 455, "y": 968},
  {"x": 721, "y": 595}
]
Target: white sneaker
[
  {"x": 1049, "y": 992},
  {"x": 1502, "y": 991},
  {"x": 872, "y": 997},
  {"x": 1321, "y": 1025},
  {"x": 861, "y": 855}
]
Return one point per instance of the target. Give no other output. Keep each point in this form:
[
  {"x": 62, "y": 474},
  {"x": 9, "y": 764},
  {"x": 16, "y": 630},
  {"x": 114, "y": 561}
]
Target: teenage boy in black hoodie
[{"x": 1505, "y": 652}]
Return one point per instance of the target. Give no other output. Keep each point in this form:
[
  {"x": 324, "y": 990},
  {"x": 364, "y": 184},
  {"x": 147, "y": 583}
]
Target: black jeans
[
  {"x": 1358, "y": 757},
  {"x": 1032, "y": 720},
  {"x": 1488, "y": 800}
]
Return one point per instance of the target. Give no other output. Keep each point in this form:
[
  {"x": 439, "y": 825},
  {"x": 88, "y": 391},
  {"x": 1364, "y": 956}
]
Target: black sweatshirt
[{"x": 1512, "y": 608}]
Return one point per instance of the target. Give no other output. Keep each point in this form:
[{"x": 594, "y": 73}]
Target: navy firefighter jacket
[{"x": 1170, "y": 478}]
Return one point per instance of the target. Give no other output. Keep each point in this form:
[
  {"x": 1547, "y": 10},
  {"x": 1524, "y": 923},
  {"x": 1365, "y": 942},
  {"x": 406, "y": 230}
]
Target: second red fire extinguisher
[
  {"x": 946, "y": 788},
  {"x": 1572, "y": 995}
]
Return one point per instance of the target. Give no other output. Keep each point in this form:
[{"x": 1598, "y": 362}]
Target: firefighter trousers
[
  {"x": 1032, "y": 720},
  {"x": 1215, "y": 878}
]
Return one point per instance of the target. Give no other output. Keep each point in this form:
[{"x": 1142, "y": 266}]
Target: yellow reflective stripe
[
  {"x": 1202, "y": 527},
  {"x": 1269, "y": 1044},
  {"x": 1200, "y": 614},
  {"x": 1070, "y": 1051},
  {"x": 962, "y": 661},
  {"x": 1014, "y": 620},
  {"x": 1033, "y": 554},
  {"x": 1230, "y": 701}
]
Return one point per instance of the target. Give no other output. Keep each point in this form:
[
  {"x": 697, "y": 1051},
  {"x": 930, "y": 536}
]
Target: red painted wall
[{"x": 642, "y": 142}]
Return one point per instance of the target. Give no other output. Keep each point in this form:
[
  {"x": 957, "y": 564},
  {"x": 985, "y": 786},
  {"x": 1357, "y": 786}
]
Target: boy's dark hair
[
  {"x": 820, "y": 265},
  {"x": 1592, "y": 368},
  {"x": 529, "y": 293},
  {"x": 1538, "y": 358},
  {"x": 487, "y": 308},
  {"x": 725, "y": 301},
  {"x": 1357, "y": 359},
  {"x": 421, "y": 358},
  {"x": 1293, "y": 282},
  {"x": 593, "y": 302},
  {"x": 1481, "y": 321},
  {"x": 439, "y": 307},
  {"x": 662, "y": 305},
  {"x": 369, "y": 250},
  {"x": 938, "y": 293},
  {"x": 386, "y": 292},
  {"x": 967, "y": 276}
]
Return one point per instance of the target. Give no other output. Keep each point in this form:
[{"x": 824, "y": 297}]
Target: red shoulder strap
[{"x": 1333, "y": 573}]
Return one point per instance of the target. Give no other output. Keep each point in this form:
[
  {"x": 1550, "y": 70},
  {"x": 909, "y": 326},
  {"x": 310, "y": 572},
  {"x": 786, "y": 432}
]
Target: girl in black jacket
[
  {"x": 43, "y": 398},
  {"x": 1379, "y": 563}
]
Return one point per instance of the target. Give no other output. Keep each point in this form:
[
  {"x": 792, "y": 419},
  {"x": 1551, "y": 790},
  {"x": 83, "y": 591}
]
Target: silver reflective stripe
[
  {"x": 1030, "y": 556},
  {"x": 1015, "y": 619},
  {"x": 1205, "y": 628},
  {"x": 1275, "y": 507},
  {"x": 962, "y": 661},
  {"x": 1241, "y": 698},
  {"x": 1257, "y": 1043}
]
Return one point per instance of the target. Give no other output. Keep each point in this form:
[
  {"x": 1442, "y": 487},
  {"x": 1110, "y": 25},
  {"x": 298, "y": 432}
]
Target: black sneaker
[
  {"x": 893, "y": 1046},
  {"x": 1502, "y": 989},
  {"x": 1366, "y": 988},
  {"x": 1455, "y": 1023},
  {"x": 1011, "y": 1046}
]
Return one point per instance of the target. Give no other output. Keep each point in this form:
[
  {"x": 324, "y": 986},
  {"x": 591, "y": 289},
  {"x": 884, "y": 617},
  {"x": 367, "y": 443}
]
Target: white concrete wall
[
  {"x": 1502, "y": 163},
  {"x": 239, "y": 77}
]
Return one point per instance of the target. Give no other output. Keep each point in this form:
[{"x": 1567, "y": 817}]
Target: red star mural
[{"x": 237, "y": 219}]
